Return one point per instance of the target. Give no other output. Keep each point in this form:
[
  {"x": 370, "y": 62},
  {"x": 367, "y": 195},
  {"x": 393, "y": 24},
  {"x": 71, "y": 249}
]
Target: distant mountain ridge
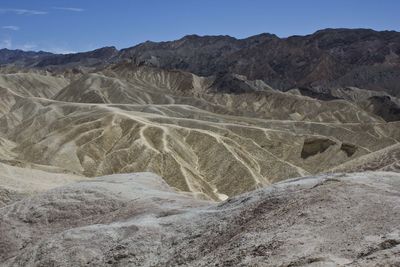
[
  {"x": 328, "y": 58},
  {"x": 8, "y": 56},
  {"x": 45, "y": 59}
]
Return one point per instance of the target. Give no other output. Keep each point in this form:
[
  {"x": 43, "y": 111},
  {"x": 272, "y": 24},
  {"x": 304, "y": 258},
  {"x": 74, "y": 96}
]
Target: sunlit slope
[
  {"x": 187, "y": 129},
  {"x": 192, "y": 149},
  {"x": 28, "y": 84},
  {"x": 33, "y": 84},
  {"x": 18, "y": 182},
  {"x": 387, "y": 159},
  {"x": 145, "y": 85}
]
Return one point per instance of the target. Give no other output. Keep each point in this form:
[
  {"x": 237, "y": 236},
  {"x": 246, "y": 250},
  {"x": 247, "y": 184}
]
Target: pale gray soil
[{"x": 138, "y": 220}]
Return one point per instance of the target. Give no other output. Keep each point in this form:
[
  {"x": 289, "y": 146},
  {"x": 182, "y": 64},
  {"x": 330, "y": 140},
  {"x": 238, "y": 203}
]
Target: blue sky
[{"x": 79, "y": 25}]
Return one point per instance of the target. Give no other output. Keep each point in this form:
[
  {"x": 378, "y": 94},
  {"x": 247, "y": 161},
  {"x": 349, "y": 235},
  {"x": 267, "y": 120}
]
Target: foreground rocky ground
[{"x": 138, "y": 220}]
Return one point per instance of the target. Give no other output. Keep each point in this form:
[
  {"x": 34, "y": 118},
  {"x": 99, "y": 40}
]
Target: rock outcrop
[{"x": 137, "y": 220}]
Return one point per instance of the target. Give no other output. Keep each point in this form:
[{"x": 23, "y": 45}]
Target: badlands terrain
[{"x": 213, "y": 127}]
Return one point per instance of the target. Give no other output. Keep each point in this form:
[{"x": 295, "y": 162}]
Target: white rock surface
[{"x": 138, "y": 220}]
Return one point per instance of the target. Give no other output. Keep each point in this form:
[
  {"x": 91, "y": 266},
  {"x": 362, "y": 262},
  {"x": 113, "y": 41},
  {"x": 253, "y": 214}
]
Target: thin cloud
[
  {"x": 18, "y": 11},
  {"x": 73, "y": 9},
  {"x": 27, "y": 47},
  {"x": 11, "y": 27},
  {"x": 6, "y": 43},
  {"x": 59, "y": 50}
]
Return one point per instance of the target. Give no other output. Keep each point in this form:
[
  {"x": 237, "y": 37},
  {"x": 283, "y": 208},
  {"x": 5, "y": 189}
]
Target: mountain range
[
  {"x": 261, "y": 150},
  {"x": 328, "y": 58}
]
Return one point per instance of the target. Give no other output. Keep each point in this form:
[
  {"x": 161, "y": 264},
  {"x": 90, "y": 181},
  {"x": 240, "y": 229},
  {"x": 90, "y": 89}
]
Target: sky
[{"x": 65, "y": 26}]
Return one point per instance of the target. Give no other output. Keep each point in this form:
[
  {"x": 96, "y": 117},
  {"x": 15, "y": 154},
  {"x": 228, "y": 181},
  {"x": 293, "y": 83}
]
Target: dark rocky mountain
[
  {"x": 328, "y": 58},
  {"x": 202, "y": 55},
  {"x": 332, "y": 57},
  {"x": 22, "y": 58},
  {"x": 96, "y": 57},
  {"x": 41, "y": 59},
  {"x": 384, "y": 107}
]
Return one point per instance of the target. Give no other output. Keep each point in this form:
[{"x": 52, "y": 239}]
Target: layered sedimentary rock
[{"x": 187, "y": 129}]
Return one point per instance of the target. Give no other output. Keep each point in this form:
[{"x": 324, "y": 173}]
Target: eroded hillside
[{"x": 215, "y": 136}]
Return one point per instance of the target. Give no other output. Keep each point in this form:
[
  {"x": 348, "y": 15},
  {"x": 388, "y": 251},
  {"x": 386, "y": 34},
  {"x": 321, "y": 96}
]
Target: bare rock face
[
  {"x": 327, "y": 58},
  {"x": 387, "y": 159},
  {"x": 330, "y": 57},
  {"x": 8, "y": 196},
  {"x": 385, "y": 107},
  {"x": 137, "y": 220},
  {"x": 314, "y": 146},
  {"x": 127, "y": 118}
]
